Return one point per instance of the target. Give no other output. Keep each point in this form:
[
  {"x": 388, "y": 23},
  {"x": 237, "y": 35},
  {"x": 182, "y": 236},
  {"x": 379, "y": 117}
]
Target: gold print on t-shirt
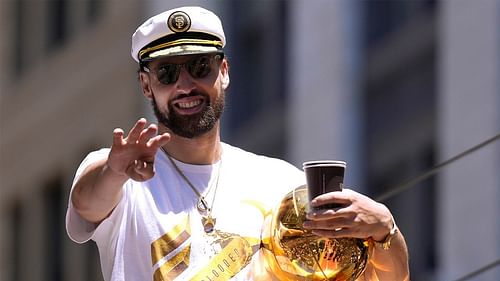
[
  {"x": 174, "y": 266},
  {"x": 167, "y": 254},
  {"x": 229, "y": 253},
  {"x": 232, "y": 251},
  {"x": 235, "y": 252}
]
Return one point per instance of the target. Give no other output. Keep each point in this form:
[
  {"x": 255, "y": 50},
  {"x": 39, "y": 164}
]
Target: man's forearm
[
  {"x": 390, "y": 264},
  {"x": 97, "y": 191}
]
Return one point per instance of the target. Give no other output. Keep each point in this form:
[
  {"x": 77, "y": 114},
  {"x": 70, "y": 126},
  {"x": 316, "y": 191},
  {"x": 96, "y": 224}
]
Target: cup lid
[{"x": 323, "y": 163}]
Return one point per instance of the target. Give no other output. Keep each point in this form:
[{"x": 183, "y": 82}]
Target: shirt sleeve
[{"x": 80, "y": 230}]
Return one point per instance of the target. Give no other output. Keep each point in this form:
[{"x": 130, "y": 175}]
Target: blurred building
[{"x": 393, "y": 87}]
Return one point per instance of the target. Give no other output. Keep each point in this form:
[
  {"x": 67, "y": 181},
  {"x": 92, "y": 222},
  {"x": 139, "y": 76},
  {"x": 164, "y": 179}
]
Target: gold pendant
[
  {"x": 208, "y": 223},
  {"x": 202, "y": 206}
]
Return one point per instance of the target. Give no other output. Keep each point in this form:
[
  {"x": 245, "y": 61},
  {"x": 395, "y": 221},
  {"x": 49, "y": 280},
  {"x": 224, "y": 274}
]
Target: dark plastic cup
[{"x": 323, "y": 176}]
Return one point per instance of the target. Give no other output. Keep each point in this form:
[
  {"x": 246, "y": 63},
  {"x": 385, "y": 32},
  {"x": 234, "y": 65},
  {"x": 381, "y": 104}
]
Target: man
[{"x": 173, "y": 202}]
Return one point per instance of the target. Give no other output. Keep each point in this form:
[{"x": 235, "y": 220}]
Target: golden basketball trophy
[{"x": 294, "y": 253}]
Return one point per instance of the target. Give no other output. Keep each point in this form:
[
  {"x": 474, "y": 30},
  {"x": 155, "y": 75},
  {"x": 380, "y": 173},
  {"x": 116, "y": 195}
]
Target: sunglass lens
[
  {"x": 168, "y": 73},
  {"x": 199, "y": 67}
]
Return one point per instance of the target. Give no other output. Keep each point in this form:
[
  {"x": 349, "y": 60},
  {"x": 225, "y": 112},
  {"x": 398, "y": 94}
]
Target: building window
[
  {"x": 14, "y": 256},
  {"x": 400, "y": 118},
  {"x": 18, "y": 58},
  {"x": 257, "y": 33},
  {"x": 57, "y": 23},
  {"x": 384, "y": 16},
  {"x": 53, "y": 206},
  {"x": 93, "y": 266},
  {"x": 94, "y": 10}
]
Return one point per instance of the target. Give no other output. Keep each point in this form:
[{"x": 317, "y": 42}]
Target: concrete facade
[
  {"x": 325, "y": 108},
  {"x": 51, "y": 115},
  {"x": 469, "y": 114}
]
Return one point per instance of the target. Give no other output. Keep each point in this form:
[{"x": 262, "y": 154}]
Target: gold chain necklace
[{"x": 205, "y": 211}]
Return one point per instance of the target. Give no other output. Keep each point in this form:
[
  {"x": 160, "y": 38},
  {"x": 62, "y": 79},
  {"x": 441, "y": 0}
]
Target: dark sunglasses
[{"x": 198, "y": 67}]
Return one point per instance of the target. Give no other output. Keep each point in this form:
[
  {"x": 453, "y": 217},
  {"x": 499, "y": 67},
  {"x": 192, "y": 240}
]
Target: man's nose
[{"x": 185, "y": 82}]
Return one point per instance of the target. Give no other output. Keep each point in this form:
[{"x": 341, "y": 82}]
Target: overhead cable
[
  {"x": 411, "y": 182},
  {"x": 479, "y": 271}
]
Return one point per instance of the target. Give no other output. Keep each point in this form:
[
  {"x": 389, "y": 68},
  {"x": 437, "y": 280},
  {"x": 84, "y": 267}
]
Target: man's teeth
[{"x": 189, "y": 104}]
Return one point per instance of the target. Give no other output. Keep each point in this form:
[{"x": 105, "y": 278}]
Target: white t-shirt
[{"x": 155, "y": 232}]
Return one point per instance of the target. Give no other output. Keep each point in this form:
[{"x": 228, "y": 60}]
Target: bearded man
[{"x": 173, "y": 202}]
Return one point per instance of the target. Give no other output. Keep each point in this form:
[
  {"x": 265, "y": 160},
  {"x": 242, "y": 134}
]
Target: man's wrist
[
  {"x": 386, "y": 242},
  {"x": 114, "y": 174}
]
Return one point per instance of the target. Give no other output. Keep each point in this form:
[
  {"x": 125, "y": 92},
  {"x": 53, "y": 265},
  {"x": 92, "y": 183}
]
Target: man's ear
[
  {"x": 145, "y": 85},
  {"x": 224, "y": 69}
]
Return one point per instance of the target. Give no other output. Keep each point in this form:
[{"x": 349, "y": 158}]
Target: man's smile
[{"x": 189, "y": 104}]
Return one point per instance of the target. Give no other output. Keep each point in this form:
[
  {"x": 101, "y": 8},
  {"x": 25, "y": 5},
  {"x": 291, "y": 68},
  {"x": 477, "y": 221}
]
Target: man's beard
[{"x": 195, "y": 125}]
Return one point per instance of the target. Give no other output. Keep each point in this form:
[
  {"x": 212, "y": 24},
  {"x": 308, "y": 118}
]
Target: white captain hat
[{"x": 179, "y": 31}]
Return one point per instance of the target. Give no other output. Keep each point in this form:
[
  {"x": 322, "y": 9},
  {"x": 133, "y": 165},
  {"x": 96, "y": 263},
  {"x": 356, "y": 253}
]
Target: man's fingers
[
  {"x": 118, "y": 137},
  {"x": 335, "y": 213},
  {"x": 147, "y": 134},
  {"x": 334, "y": 223},
  {"x": 338, "y": 233},
  {"x": 343, "y": 197},
  {"x": 135, "y": 132},
  {"x": 159, "y": 140},
  {"x": 140, "y": 170},
  {"x": 145, "y": 170}
]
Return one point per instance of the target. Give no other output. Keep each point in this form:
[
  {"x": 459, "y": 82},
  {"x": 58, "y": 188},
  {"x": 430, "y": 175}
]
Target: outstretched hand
[
  {"x": 134, "y": 155},
  {"x": 359, "y": 216}
]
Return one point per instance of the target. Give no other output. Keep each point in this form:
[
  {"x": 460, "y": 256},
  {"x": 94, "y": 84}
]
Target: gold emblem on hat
[{"x": 179, "y": 21}]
